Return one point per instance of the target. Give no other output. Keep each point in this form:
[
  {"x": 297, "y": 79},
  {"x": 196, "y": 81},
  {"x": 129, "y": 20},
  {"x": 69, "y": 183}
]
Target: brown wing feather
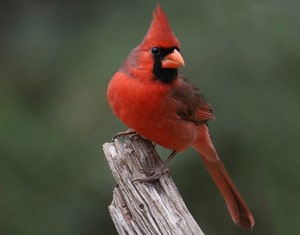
[{"x": 194, "y": 106}]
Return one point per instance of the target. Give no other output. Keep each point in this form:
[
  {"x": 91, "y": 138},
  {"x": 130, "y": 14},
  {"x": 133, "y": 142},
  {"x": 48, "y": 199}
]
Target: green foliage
[{"x": 56, "y": 60}]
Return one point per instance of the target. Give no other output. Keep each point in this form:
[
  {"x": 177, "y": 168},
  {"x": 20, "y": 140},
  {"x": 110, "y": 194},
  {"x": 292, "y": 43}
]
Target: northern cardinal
[{"x": 149, "y": 95}]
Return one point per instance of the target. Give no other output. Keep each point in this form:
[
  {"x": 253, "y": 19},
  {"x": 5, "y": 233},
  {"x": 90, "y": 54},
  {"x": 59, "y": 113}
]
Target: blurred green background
[{"x": 56, "y": 60}]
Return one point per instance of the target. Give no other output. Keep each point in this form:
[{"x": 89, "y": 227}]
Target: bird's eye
[{"x": 155, "y": 51}]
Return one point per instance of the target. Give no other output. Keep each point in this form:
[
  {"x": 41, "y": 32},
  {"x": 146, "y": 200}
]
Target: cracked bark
[{"x": 144, "y": 208}]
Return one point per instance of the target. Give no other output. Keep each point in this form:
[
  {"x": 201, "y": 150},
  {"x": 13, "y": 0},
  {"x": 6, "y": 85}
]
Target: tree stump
[{"x": 144, "y": 208}]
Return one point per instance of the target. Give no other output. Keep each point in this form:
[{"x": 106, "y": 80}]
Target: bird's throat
[{"x": 165, "y": 75}]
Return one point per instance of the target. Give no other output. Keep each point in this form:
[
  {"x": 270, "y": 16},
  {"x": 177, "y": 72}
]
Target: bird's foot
[
  {"x": 153, "y": 175},
  {"x": 130, "y": 132}
]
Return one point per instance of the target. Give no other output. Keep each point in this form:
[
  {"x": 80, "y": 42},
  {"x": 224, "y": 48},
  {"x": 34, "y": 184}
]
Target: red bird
[{"x": 149, "y": 95}]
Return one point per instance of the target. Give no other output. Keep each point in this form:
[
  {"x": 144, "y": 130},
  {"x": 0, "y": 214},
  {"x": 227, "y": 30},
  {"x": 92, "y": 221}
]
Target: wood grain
[{"x": 144, "y": 208}]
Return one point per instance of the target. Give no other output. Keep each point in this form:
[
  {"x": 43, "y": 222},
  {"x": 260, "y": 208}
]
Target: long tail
[{"x": 239, "y": 211}]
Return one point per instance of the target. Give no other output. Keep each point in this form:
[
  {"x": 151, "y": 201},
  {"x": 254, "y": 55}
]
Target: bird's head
[{"x": 159, "y": 52}]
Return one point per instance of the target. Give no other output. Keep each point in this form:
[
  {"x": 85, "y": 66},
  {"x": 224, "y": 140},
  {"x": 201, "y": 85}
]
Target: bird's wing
[{"x": 192, "y": 105}]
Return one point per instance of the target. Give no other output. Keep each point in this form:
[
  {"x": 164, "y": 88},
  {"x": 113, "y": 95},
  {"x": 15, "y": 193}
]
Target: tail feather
[
  {"x": 239, "y": 211},
  {"x": 237, "y": 208}
]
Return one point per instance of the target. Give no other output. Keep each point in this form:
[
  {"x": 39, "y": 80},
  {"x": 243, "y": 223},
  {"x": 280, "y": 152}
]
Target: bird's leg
[
  {"x": 166, "y": 162},
  {"x": 124, "y": 133},
  {"x": 154, "y": 174}
]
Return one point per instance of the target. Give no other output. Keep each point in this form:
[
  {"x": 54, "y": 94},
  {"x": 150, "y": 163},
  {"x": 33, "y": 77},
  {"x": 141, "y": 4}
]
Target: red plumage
[
  {"x": 149, "y": 95},
  {"x": 160, "y": 31}
]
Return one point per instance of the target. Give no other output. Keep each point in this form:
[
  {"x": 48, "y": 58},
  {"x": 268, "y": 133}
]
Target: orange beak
[{"x": 173, "y": 60}]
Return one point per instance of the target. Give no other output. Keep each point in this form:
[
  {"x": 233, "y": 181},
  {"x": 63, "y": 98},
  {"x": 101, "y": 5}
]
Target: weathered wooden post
[{"x": 144, "y": 208}]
